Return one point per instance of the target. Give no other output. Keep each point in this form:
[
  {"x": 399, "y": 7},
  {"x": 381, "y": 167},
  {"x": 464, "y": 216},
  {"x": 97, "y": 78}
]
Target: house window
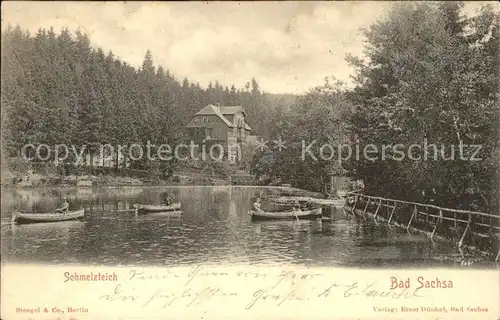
[
  {"x": 200, "y": 132},
  {"x": 208, "y": 133}
]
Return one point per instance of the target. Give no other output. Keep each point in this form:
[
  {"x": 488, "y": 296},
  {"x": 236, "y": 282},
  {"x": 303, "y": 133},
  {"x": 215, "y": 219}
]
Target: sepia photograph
[{"x": 250, "y": 159}]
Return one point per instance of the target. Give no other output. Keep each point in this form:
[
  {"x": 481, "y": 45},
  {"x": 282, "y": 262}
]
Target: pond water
[{"x": 213, "y": 228}]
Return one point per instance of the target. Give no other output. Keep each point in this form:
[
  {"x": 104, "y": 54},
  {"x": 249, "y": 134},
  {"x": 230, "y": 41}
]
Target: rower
[
  {"x": 296, "y": 205},
  {"x": 65, "y": 206},
  {"x": 308, "y": 205},
  {"x": 168, "y": 199},
  {"x": 256, "y": 205}
]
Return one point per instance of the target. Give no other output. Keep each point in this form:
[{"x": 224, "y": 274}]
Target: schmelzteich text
[{"x": 90, "y": 277}]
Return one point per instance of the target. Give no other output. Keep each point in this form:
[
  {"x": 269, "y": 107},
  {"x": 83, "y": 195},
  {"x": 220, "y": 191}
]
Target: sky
[{"x": 289, "y": 47}]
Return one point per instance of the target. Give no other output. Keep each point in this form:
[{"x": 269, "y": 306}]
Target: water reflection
[{"x": 212, "y": 227}]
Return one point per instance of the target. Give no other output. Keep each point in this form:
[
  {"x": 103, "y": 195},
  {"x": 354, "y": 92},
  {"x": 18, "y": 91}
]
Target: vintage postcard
[{"x": 248, "y": 160}]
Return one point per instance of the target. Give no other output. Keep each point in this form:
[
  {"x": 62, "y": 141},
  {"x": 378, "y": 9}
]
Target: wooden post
[
  {"x": 355, "y": 203},
  {"x": 344, "y": 207},
  {"x": 461, "y": 242},
  {"x": 437, "y": 223},
  {"x": 411, "y": 218},
  {"x": 392, "y": 213},
  {"x": 378, "y": 208},
  {"x": 331, "y": 183},
  {"x": 455, "y": 220},
  {"x": 366, "y": 207},
  {"x": 434, "y": 230}
]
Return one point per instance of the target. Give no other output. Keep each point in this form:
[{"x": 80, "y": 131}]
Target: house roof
[
  {"x": 232, "y": 110},
  {"x": 214, "y": 110},
  {"x": 220, "y": 112}
]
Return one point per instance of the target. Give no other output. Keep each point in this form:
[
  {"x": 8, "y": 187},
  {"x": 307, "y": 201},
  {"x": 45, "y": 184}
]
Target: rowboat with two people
[
  {"x": 25, "y": 218},
  {"x": 167, "y": 204},
  {"x": 145, "y": 208}
]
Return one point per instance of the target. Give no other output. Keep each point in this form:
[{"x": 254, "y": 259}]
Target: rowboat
[
  {"x": 286, "y": 215},
  {"x": 24, "y": 218},
  {"x": 144, "y": 208}
]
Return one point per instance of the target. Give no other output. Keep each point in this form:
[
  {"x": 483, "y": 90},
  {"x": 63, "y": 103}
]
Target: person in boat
[
  {"x": 168, "y": 199},
  {"x": 308, "y": 205},
  {"x": 256, "y": 205},
  {"x": 296, "y": 205},
  {"x": 65, "y": 206}
]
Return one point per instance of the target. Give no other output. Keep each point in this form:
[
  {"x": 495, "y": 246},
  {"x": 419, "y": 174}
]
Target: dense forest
[
  {"x": 436, "y": 78},
  {"x": 58, "y": 89},
  {"x": 428, "y": 74}
]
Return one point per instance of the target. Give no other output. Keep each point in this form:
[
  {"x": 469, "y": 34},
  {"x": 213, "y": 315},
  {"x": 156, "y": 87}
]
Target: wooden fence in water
[{"x": 477, "y": 230}]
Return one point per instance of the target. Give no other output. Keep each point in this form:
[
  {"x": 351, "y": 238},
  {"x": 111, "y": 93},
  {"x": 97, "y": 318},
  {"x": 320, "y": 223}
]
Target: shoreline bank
[{"x": 35, "y": 181}]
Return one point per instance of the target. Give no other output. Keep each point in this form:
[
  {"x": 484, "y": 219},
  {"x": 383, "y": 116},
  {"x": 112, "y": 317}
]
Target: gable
[
  {"x": 231, "y": 110},
  {"x": 213, "y": 110},
  {"x": 223, "y": 113}
]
